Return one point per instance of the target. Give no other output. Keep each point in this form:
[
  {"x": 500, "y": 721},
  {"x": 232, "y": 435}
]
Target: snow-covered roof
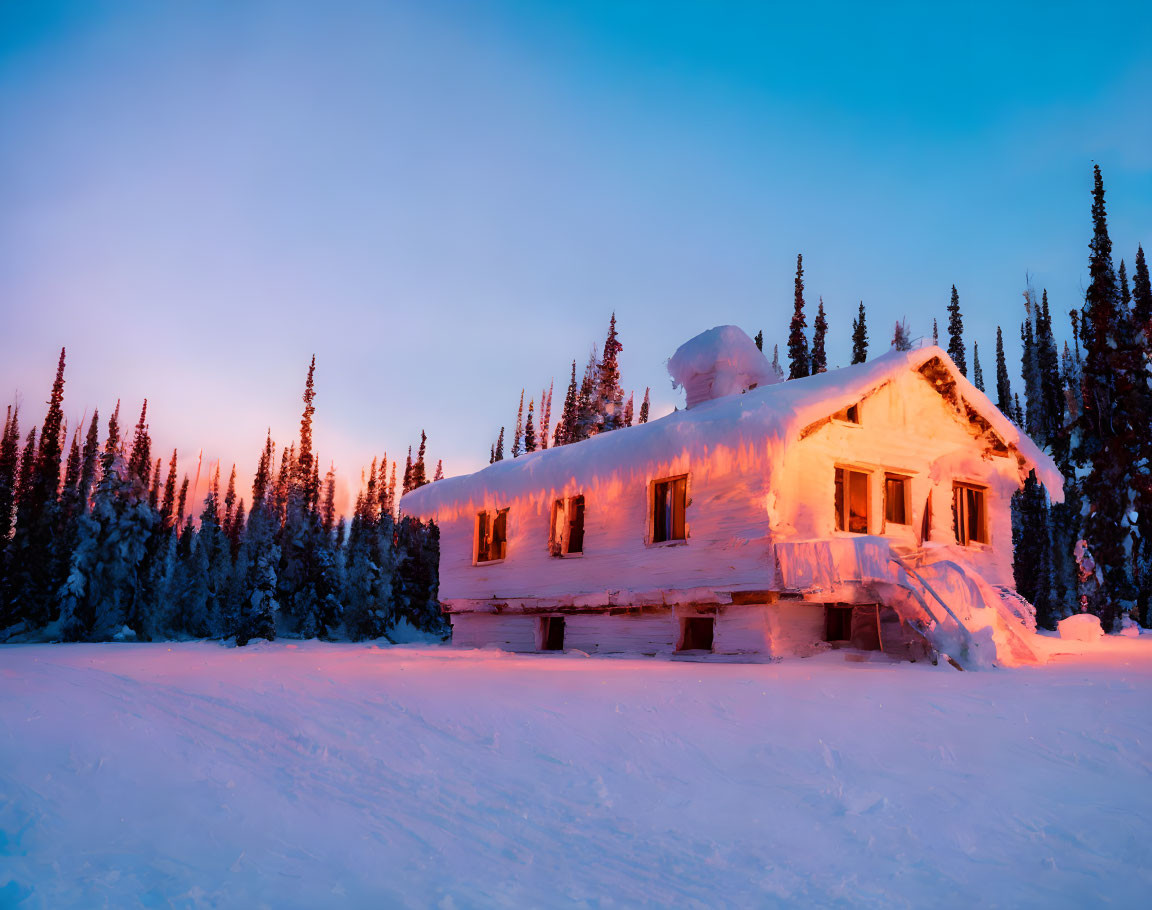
[{"x": 773, "y": 415}]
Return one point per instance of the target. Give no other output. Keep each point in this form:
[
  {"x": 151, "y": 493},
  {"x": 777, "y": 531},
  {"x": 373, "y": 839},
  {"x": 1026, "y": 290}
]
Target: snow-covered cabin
[{"x": 867, "y": 506}]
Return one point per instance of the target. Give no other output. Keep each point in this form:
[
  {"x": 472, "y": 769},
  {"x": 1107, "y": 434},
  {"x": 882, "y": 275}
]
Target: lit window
[
  {"x": 969, "y": 513},
  {"x": 491, "y": 535},
  {"x": 895, "y": 499},
  {"x": 669, "y": 498},
  {"x": 851, "y": 501},
  {"x": 567, "y": 526}
]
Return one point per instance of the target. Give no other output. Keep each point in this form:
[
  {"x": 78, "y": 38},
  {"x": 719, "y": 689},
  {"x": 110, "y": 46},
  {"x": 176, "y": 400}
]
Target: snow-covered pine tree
[
  {"x": 977, "y": 371},
  {"x": 819, "y": 363},
  {"x": 565, "y": 426},
  {"x": 407, "y": 488},
  {"x": 935, "y": 332},
  {"x": 89, "y": 460},
  {"x": 1003, "y": 382},
  {"x": 419, "y": 472},
  {"x": 956, "y": 333},
  {"x": 328, "y": 509},
  {"x": 1113, "y": 432},
  {"x": 759, "y": 339},
  {"x": 609, "y": 395},
  {"x": 900, "y": 339},
  {"x": 1125, "y": 292},
  {"x": 776, "y": 368},
  {"x": 1142, "y": 296},
  {"x": 860, "y": 336},
  {"x": 586, "y": 410},
  {"x": 530, "y": 429},
  {"x": 629, "y": 409},
  {"x": 498, "y": 452},
  {"x": 229, "y": 505},
  {"x": 1034, "y": 404},
  {"x": 644, "y": 406},
  {"x": 518, "y": 439},
  {"x": 140, "y": 459},
  {"x": 546, "y": 421},
  {"x": 439, "y": 475},
  {"x": 1032, "y": 551},
  {"x": 9, "y": 470},
  {"x": 798, "y": 360},
  {"x": 1048, "y": 361}
]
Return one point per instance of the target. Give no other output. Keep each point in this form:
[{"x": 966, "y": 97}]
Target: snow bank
[
  {"x": 1080, "y": 627},
  {"x": 722, "y": 361},
  {"x": 316, "y": 775}
]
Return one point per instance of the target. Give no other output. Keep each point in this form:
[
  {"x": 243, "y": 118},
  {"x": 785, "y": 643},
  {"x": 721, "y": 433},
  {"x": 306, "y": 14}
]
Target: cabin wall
[
  {"x": 727, "y": 526},
  {"x": 907, "y": 428}
]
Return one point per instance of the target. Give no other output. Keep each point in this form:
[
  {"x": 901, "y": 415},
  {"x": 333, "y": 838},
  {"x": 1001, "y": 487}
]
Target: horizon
[{"x": 223, "y": 192}]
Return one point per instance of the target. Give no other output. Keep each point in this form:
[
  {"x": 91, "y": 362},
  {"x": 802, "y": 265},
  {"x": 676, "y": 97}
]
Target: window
[
  {"x": 552, "y": 633},
  {"x": 969, "y": 513},
  {"x": 895, "y": 499},
  {"x": 851, "y": 501},
  {"x": 850, "y": 414},
  {"x": 669, "y": 499},
  {"x": 491, "y": 535},
  {"x": 837, "y": 623},
  {"x": 567, "y": 527},
  {"x": 698, "y": 632}
]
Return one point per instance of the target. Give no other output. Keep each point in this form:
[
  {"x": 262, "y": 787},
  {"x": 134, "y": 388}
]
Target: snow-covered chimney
[{"x": 722, "y": 361}]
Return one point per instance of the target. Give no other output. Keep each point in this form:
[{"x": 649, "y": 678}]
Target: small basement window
[
  {"x": 491, "y": 535},
  {"x": 697, "y": 633},
  {"x": 851, "y": 501},
  {"x": 850, "y": 414},
  {"x": 895, "y": 499},
  {"x": 969, "y": 513},
  {"x": 669, "y": 502},
  {"x": 552, "y": 633},
  {"x": 567, "y": 527},
  {"x": 837, "y": 623}
]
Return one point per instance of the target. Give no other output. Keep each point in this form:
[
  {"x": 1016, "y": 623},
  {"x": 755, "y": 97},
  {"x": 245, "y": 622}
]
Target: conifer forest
[{"x": 99, "y": 539}]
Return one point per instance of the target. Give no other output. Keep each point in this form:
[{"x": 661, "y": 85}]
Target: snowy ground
[{"x": 341, "y": 775}]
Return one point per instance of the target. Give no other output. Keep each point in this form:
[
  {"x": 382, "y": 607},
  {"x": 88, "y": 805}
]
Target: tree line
[{"x": 95, "y": 546}]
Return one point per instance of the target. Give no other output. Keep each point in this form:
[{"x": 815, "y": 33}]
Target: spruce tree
[
  {"x": 530, "y": 429},
  {"x": 518, "y": 439},
  {"x": 1048, "y": 361},
  {"x": 609, "y": 395},
  {"x": 565, "y": 426},
  {"x": 499, "y": 454},
  {"x": 629, "y": 410},
  {"x": 89, "y": 460},
  {"x": 168, "y": 502},
  {"x": 759, "y": 339},
  {"x": 1125, "y": 292},
  {"x": 419, "y": 473},
  {"x": 798, "y": 361},
  {"x": 140, "y": 459},
  {"x": 1003, "y": 383},
  {"x": 935, "y": 332},
  {"x": 900, "y": 339},
  {"x": 860, "y": 337},
  {"x": 407, "y": 488},
  {"x": 439, "y": 475},
  {"x": 977, "y": 372},
  {"x": 9, "y": 472},
  {"x": 956, "y": 333},
  {"x": 1142, "y": 296},
  {"x": 546, "y": 419},
  {"x": 777, "y": 370},
  {"x": 644, "y": 406},
  {"x": 819, "y": 333},
  {"x": 587, "y": 413},
  {"x": 154, "y": 489}
]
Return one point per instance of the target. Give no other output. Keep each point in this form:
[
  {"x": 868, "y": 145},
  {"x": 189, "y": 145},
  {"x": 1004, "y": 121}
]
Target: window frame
[
  {"x": 559, "y": 544},
  {"x": 844, "y": 416},
  {"x": 653, "y": 487},
  {"x": 960, "y": 514},
  {"x": 842, "y": 523},
  {"x": 484, "y": 534},
  {"x": 905, "y": 482}
]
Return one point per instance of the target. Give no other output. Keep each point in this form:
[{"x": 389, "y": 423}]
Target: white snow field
[{"x": 328, "y": 775}]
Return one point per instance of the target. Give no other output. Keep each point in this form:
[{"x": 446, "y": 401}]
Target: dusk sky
[{"x": 445, "y": 202}]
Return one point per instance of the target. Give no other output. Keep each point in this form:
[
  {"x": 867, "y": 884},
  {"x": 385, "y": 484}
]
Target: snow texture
[
  {"x": 315, "y": 775},
  {"x": 722, "y": 361},
  {"x": 1080, "y": 627}
]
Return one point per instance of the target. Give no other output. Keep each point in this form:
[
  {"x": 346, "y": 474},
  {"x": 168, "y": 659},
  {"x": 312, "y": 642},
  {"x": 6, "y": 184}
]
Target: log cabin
[{"x": 866, "y": 507}]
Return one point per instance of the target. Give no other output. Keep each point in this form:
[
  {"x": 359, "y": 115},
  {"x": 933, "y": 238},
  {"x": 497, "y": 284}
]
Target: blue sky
[{"x": 446, "y": 201}]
